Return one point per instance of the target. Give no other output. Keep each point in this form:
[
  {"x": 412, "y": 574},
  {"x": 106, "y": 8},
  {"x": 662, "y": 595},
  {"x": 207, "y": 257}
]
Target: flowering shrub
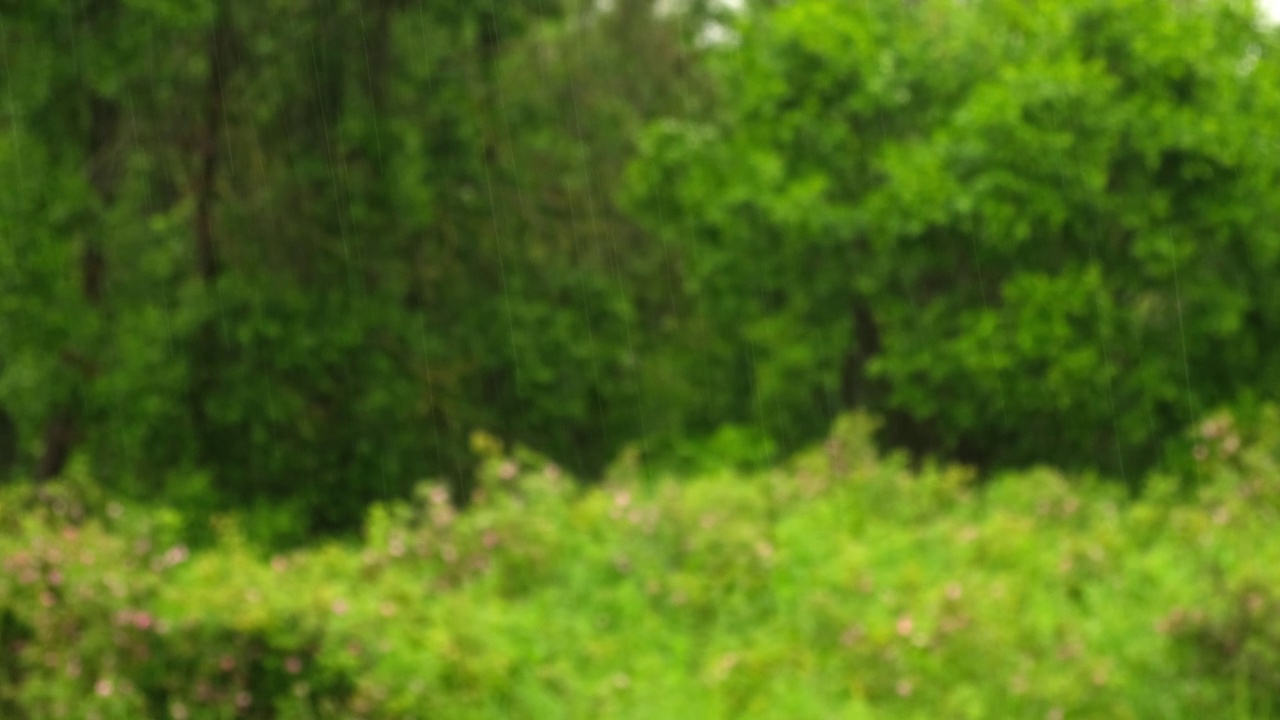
[{"x": 840, "y": 584}]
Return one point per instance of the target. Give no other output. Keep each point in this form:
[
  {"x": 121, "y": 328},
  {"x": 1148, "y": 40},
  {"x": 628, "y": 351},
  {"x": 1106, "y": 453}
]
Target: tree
[{"x": 1025, "y": 233}]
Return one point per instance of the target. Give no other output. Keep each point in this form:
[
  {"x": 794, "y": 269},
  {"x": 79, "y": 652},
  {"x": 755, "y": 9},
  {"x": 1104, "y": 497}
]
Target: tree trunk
[
  {"x": 207, "y": 260},
  {"x": 856, "y": 385},
  {"x": 62, "y": 431}
]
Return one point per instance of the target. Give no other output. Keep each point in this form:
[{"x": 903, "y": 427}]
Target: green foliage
[
  {"x": 1023, "y": 233},
  {"x": 839, "y": 584},
  {"x": 301, "y": 250},
  {"x": 304, "y": 249}
]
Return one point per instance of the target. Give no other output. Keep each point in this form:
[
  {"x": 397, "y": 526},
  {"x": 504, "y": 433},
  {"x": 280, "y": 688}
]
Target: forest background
[
  {"x": 276, "y": 264},
  {"x": 303, "y": 250}
]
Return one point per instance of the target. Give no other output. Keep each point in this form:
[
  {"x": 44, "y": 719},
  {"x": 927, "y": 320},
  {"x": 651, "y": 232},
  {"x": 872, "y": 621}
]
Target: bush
[{"x": 843, "y": 583}]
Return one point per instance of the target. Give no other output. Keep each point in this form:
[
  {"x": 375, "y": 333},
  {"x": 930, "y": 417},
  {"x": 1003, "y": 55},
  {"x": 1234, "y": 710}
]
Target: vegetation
[
  {"x": 1023, "y": 232},
  {"x": 841, "y": 584},
  {"x": 380, "y": 359},
  {"x": 304, "y": 249}
]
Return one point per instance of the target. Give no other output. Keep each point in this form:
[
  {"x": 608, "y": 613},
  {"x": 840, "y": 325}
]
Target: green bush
[{"x": 840, "y": 584}]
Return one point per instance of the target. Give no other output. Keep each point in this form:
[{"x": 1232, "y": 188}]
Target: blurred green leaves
[
  {"x": 839, "y": 582},
  {"x": 1035, "y": 233}
]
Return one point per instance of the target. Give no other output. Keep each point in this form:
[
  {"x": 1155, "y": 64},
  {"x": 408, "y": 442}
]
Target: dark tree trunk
[
  {"x": 8, "y": 445},
  {"x": 62, "y": 430},
  {"x": 205, "y": 348},
  {"x": 207, "y": 261},
  {"x": 856, "y": 386},
  {"x": 58, "y": 441}
]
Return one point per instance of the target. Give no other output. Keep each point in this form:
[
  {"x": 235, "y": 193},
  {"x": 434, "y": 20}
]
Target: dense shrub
[{"x": 841, "y": 584}]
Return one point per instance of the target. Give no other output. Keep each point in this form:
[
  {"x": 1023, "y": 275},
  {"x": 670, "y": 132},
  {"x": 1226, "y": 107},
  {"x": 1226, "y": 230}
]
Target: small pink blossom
[
  {"x": 176, "y": 555},
  {"x": 1213, "y": 428},
  {"x": 293, "y": 665},
  {"x": 905, "y": 687},
  {"x": 104, "y": 688},
  {"x": 227, "y": 663},
  {"x": 905, "y": 625},
  {"x": 507, "y": 470},
  {"x": 340, "y": 607},
  {"x": 438, "y": 495}
]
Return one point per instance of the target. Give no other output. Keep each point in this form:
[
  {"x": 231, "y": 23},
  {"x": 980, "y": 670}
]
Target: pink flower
[
  {"x": 905, "y": 625},
  {"x": 340, "y": 607},
  {"x": 507, "y": 470},
  {"x": 293, "y": 665},
  {"x": 438, "y": 495},
  {"x": 176, "y": 555},
  {"x": 104, "y": 688}
]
